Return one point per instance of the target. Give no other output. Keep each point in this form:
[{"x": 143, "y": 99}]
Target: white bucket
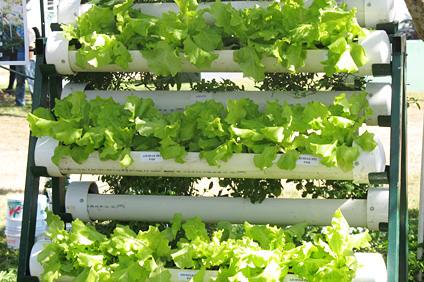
[
  {"x": 13, "y": 240},
  {"x": 15, "y": 206},
  {"x": 14, "y": 226}
]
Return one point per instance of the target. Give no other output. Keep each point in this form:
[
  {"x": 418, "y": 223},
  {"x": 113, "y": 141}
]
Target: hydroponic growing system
[{"x": 384, "y": 209}]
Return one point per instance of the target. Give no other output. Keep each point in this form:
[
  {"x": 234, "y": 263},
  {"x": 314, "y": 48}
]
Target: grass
[
  {"x": 8, "y": 113},
  {"x": 7, "y": 105},
  {"x": 14, "y": 111}
]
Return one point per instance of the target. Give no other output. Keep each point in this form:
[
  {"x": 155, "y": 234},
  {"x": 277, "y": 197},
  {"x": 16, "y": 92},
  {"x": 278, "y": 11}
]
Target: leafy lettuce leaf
[
  {"x": 283, "y": 31},
  {"x": 257, "y": 253},
  {"x": 281, "y": 132}
]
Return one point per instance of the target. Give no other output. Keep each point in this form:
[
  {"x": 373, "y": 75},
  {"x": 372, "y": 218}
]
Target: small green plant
[
  {"x": 149, "y": 185},
  {"x": 8, "y": 275},
  {"x": 256, "y": 190},
  {"x": 157, "y": 82},
  {"x": 216, "y": 86},
  {"x": 413, "y": 101},
  {"x": 415, "y": 265},
  {"x": 331, "y": 189},
  {"x": 308, "y": 83},
  {"x": 103, "y": 80}
]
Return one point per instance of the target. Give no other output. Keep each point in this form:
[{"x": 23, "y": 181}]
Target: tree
[{"x": 416, "y": 9}]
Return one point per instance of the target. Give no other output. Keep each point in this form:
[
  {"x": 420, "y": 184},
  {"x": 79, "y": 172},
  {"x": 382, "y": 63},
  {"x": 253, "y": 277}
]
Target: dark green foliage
[
  {"x": 254, "y": 189},
  {"x": 9, "y": 260},
  {"x": 331, "y": 189},
  {"x": 149, "y": 185},
  {"x": 311, "y": 82},
  {"x": 216, "y": 86},
  {"x": 103, "y": 80},
  {"x": 154, "y": 82}
]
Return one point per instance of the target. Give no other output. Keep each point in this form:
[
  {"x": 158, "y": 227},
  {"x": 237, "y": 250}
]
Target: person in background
[
  {"x": 11, "y": 86},
  {"x": 28, "y": 70}
]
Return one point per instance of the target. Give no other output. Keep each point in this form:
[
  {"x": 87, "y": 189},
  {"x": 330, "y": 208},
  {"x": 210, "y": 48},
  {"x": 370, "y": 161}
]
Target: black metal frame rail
[{"x": 46, "y": 90}]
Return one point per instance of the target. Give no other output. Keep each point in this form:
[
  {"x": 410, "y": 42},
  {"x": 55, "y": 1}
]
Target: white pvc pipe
[
  {"x": 368, "y": 13},
  {"x": 69, "y": 10},
  {"x": 377, "y": 207},
  {"x": 57, "y": 52},
  {"x": 166, "y": 102},
  {"x": 373, "y": 268},
  {"x": 379, "y": 98},
  {"x": 376, "y": 45},
  {"x": 238, "y": 166},
  {"x": 319, "y": 212}
]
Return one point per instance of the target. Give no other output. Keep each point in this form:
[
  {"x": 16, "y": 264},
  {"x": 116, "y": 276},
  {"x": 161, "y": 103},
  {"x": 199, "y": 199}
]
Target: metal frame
[
  {"x": 397, "y": 257},
  {"x": 47, "y": 80},
  {"x": 45, "y": 87}
]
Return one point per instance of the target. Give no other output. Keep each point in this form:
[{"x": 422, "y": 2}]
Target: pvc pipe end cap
[{"x": 44, "y": 151}]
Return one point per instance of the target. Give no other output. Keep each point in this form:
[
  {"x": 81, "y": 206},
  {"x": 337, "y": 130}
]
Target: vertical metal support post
[
  {"x": 58, "y": 183},
  {"x": 397, "y": 257},
  {"x": 39, "y": 99},
  {"x": 45, "y": 84},
  {"x": 421, "y": 215},
  {"x": 404, "y": 171},
  {"x": 43, "y": 23},
  {"x": 29, "y": 214},
  {"x": 31, "y": 183},
  {"x": 58, "y": 191}
]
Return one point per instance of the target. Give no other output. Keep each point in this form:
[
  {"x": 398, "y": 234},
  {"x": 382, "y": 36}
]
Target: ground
[{"x": 13, "y": 147}]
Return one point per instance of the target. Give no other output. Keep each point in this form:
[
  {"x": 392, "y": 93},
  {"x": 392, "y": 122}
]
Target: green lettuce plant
[
  {"x": 283, "y": 31},
  {"x": 258, "y": 253},
  {"x": 280, "y": 133}
]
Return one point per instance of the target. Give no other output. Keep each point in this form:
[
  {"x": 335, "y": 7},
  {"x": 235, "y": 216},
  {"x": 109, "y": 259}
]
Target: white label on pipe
[
  {"x": 295, "y": 279},
  {"x": 325, "y": 55},
  {"x": 186, "y": 276},
  {"x": 151, "y": 157},
  {"x": 201, "y": 97},
  {"x": 307, "y": 160}
]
